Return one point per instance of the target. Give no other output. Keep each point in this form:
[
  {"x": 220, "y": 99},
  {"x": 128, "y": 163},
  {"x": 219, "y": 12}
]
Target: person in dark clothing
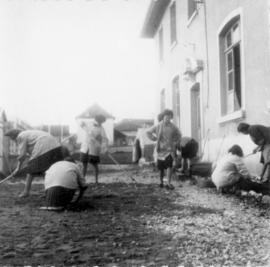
[
  {"x": 260, "y": 135},
  {"x": 189, "y": 149}
]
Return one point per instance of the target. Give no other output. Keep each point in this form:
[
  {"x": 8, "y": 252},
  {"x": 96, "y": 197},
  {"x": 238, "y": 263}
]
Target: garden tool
[{"x": 115, "y": 161}]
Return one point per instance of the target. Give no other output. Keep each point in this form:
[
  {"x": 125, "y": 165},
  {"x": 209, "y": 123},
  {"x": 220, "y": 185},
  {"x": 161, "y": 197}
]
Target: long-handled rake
[
  {"x": 7, "y": 178},
  {"x": 119, "y": 166}
]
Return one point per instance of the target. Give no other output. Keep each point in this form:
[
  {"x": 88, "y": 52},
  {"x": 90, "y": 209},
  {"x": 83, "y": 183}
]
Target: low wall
[{"x": 114, "y": 149}]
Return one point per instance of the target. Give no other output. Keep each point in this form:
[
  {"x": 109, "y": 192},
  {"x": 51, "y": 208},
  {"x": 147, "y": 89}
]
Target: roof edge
[{"x": 153, "y": 17}]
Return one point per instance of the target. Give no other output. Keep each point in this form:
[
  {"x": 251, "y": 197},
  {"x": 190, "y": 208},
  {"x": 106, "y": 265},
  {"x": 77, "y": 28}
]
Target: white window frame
[
  {"x": 173, "y": 42},
  {"x": 161, "y": 44},
  {"x": 176, "y": 102},
  {"x": 237, "y": 13},
  {"x": 162, "y": 99},
  {"x": 193, "y": 15}
]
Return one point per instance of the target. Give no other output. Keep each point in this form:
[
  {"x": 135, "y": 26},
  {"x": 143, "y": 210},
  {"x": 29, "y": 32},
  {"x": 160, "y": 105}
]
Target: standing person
[
  {"x": 95, "y": 143},
  {"x": 260, "y": 135},
  {"x": 44, "y": 150},
  {"x": 155, "y": 154},
  {"x": 167, "y": 136},
  {"x": 62, "y": 180}
]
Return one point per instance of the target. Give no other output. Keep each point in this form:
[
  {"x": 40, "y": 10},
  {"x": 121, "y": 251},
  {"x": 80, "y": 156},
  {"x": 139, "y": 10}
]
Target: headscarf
[{"x": 13, "y": 133}]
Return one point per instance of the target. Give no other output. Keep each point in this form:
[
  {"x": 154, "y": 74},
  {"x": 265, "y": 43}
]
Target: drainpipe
[
  {"x": 206, "y": 132},
  {"x": 207, "y": 52},
  {"x": 206, "y": 47}
]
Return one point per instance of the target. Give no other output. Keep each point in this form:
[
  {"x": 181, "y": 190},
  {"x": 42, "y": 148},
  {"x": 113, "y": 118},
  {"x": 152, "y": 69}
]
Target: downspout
[
  {"x": 207, "y": 52},
  {"x": 205, "y": 131}
]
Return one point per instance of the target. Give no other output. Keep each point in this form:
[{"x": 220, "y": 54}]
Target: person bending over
[
  {"x": 189, "y": 149},
  {"x": 62, "y": 180},
  {"x": 43, "y": 150},
  {"x": 260, "y": 135}
]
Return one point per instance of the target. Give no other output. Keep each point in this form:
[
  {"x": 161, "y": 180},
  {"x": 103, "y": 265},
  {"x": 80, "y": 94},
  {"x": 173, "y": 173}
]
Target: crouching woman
[
  {"x": 230, "y": 169},
  {"x": 62, "y": 180}
]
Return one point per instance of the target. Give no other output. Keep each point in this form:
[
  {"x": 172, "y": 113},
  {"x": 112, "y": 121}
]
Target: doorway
[{"x": 195, "y": 112}]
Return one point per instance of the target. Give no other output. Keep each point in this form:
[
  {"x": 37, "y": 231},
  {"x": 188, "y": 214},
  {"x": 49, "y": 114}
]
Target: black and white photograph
[{"x": 135, "y": 133}]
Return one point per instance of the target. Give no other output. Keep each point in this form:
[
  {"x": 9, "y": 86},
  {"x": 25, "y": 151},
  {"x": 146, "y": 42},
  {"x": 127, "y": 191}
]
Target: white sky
[{"x": 57, "y": 57}]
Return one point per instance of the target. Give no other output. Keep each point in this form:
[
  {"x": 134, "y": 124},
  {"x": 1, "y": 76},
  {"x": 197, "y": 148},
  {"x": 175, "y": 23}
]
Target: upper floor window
[
  {"x": 192, "y": 7},
  {"x": 230, "y": 60},
  {"x": 173, "y": 23},
  {"x": 160, "y": 44},
  {"x": 176, "y": 100},
  {"x": 162, "y": 100}
]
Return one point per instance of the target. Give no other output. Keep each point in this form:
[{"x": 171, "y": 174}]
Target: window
[
  {"x": 192, "y": 7},
  {"x": 173, "y": 23},
  {"x": 162, "y": 100},
  {"x": 230, "y": 52},
  {"x": 160, "y": 44},
  {"x": 176, "y": 100}
]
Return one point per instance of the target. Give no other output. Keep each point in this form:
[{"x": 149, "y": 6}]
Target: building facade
[{"x": 213, "y": 68}]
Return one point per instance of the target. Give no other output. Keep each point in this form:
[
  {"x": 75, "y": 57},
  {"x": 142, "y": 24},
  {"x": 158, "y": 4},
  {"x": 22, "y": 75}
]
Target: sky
[{"x": 58, "y": 57}]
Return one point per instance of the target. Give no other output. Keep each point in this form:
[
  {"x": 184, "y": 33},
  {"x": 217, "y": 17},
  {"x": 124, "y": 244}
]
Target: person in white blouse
[
  {"x": 94, "y": 143},
  {"x": 230, "y": 169}
]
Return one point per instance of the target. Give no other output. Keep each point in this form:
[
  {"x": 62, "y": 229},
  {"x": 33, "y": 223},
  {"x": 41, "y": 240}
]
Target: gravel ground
[{"x": 122, "y": 223}]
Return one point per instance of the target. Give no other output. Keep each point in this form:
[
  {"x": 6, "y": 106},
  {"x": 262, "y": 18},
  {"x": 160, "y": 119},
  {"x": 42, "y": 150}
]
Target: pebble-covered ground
[{"x": 122, "y": 223}]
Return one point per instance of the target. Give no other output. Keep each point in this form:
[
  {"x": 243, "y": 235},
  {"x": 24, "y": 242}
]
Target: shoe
[
  {"x": 169, "y": 186},
  {"x": 52, "y": 208}
]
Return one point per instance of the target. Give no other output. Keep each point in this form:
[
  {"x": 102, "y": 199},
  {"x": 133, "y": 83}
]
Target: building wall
[
  {"x": 217, "y": 132},
  {"x": 255, "y": 79},
  {"x": 2, "y": 164},
  {"x": 175, "y": 60}
]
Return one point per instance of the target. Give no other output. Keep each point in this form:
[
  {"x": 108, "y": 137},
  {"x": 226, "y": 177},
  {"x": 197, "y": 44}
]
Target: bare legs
[
  {"x": 169, "y": 177},
  {"x": 27, "y": 187},
  {"x": 96, "y": 170},
  {"x": 84, "y": 170},
  {"x": 161, "y": 177}
]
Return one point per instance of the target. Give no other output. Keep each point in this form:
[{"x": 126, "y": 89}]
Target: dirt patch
[{"x": 133, "y": 224}]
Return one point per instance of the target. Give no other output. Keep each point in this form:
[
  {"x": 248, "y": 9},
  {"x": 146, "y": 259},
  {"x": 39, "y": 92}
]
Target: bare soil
[{"x": 122, "y": 223}]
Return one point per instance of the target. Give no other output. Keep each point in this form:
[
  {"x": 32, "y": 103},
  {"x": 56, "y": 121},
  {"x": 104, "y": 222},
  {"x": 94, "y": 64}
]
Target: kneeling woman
[
  {"x": 62, "y": 180},
  {"x": 230, "y": 169}
]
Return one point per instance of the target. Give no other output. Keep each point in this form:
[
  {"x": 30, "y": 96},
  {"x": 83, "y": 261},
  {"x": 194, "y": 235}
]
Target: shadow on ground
[{"x": 113, "y": 223}]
